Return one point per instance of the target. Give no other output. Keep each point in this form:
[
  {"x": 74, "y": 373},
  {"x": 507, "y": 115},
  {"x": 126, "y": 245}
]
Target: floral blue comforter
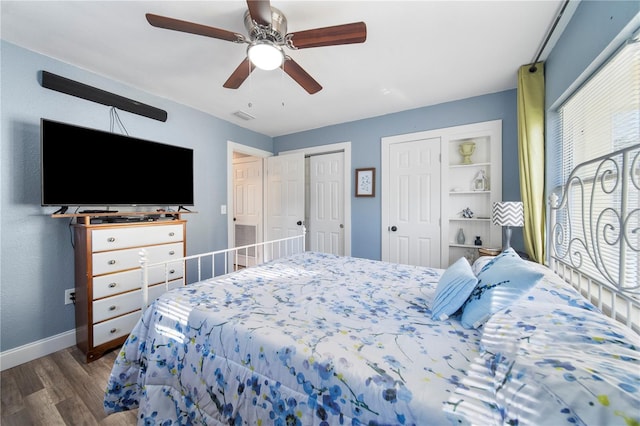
[
  {"x": 551, "y": 359},
  {"x": 316, "y": 339},
  {"x": 311, "y": 340}
]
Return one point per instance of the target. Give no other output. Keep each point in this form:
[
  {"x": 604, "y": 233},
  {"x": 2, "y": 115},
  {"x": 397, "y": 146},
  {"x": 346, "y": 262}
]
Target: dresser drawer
[
  {"x": 114, "y": 306},
  {"x": 114, "y": 328},
  {"x": 111, "y": 307},
  {"x": 120, "y": 260},
  {"x": 134, "y": 236},
  {"x": 119, "y": 282}
]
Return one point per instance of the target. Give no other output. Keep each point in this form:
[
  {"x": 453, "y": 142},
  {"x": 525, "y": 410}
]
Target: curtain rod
[{"x": 533, "y": 67}]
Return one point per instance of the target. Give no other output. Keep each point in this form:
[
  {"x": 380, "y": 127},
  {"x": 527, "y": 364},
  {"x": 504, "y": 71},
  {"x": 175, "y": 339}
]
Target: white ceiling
[{"x": 417, "y": 53}]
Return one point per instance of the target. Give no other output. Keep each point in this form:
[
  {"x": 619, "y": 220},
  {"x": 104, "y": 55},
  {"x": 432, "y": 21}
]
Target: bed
[{"x": 316, "y": 339}]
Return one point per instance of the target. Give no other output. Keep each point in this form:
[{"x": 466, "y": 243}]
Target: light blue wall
[
  {"x": 36, "y": 253},
  {"x": 366, "y": 135}
]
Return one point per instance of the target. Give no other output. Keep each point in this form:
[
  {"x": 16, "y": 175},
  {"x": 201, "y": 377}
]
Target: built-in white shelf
[
  {"x": 469, "y": 192},
  {"x": 474, "y": 186},
  {"x": 465, "y": 166},
  {"x": 472, "y": 246}
]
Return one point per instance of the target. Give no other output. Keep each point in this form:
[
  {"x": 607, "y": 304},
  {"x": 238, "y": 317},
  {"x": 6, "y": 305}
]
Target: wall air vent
[{"x": 243, "y": 115}]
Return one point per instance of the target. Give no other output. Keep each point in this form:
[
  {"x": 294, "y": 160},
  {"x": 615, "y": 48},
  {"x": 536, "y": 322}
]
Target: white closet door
[
  {"x": 326, "y": 212},
  {"x": 413, "y": 203}
]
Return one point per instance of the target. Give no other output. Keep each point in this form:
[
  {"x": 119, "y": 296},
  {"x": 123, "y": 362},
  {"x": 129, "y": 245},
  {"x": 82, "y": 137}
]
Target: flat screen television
[{"x": 88, "y": 167}]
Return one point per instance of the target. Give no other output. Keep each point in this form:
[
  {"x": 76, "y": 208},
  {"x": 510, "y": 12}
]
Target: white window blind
[
  {"x": 601, "y": 117},
  {"x": 604, "y": 114}
]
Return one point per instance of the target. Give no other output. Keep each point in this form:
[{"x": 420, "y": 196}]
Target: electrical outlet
[{"x": 69, "y": 296}]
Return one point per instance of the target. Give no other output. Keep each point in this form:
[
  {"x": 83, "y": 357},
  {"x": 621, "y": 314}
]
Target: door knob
[
  {"x": 299, "y": 223},
  {"x": 394, "y": 228}
]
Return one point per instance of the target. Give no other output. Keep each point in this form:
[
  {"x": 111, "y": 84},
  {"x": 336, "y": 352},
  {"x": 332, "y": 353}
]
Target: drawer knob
[
  {"x": 111, "y": 239},
  {"x": 173, "y": 271},
  {"x": 172, "y": 252},
  {"x": 112, "y": 285},
  {"x": 171, "y": 234},
  {"x": 111, "y": 262},
  {"x": 112, "y": 307},
  {"x": 113, "y": 330}
]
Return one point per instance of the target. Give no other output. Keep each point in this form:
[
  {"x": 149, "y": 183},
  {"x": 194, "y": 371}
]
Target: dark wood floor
[{"x": 59, "y": 389}]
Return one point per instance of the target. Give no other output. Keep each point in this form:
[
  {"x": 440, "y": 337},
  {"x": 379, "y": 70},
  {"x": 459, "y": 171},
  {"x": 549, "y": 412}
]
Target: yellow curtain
[{"x": 531, "y": 157}]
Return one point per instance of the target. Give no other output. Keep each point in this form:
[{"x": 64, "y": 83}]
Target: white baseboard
[{"x": 31, "y": 351}]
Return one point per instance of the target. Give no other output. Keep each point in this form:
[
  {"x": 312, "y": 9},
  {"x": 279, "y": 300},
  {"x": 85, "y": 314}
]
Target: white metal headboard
[
  {"x": 595, "y": 233},
  {"x": 221, "y": 262}
]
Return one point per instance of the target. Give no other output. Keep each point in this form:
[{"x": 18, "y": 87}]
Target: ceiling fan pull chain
[{"x": 282, "y": 82}]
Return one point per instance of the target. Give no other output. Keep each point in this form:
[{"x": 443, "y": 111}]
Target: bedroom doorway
[
  {"x": 247, "y": 204},
  {"x": 336, "y": 242},
  {"x": 339, "y": 243}
]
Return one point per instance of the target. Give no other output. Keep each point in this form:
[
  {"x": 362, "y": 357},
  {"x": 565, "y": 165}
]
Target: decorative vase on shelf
[
  {"x": 478, "y": 241},
  {"x": 460, "y": 238},
  {"x": 467, "y": 149}
]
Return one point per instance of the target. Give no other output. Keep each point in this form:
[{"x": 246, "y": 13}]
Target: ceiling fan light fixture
[{"x": 265, "y": 55}]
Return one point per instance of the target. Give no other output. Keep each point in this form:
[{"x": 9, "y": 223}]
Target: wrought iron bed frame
[
  {"x": 222, "y": 262},
  {"x": 582, "y": 233}
]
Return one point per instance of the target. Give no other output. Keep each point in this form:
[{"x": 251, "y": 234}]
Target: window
[{"x": 602, "y": 117}]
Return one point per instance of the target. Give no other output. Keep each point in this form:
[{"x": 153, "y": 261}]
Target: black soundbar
[{"x": 80, "y": 90}]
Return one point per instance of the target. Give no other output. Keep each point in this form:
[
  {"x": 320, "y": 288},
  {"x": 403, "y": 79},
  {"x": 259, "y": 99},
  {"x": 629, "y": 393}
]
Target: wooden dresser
[{"x": 107, "y": 277}]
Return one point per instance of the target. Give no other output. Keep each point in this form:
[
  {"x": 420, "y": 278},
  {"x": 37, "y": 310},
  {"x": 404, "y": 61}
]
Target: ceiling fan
[{"x": 267, "y": 28}]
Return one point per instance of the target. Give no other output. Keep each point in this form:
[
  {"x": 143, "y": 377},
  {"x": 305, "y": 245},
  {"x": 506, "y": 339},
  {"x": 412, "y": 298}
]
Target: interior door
[
  {"x": 284, "y": 197},
  {"x": 326, "y": 203},
  {"x": 414, "y": 202},
  {"x": 247, "y": 205}
]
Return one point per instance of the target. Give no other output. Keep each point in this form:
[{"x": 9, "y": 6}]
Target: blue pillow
[
  {"x": 454, "y": 287},
  {"x": 500, "y": 283}
]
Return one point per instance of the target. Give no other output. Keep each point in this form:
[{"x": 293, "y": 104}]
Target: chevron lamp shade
[{"x": 508, "y": 213}]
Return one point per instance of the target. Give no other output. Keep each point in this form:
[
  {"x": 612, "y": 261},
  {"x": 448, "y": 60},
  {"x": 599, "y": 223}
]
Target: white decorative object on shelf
[
  {"x": 467, "y": 149},
  {"x": 480, "y": 182}
]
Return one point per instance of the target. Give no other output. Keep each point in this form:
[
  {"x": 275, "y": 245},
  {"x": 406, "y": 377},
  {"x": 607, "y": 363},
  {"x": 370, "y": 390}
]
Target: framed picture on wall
[{"x": 366, "y": 182}]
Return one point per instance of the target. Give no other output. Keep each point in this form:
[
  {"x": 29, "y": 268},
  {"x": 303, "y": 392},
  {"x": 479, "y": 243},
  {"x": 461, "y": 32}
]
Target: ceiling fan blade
[
  {"x": 239, "y": 75},
  {"x": 260, "y": 11},
  {"x": 301, "y": 77},
  {"x": 355, "y": 32},
  {"x": 190, "y": 27}
]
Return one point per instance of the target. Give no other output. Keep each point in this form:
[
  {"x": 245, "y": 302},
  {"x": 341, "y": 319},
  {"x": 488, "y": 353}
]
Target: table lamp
[{"x": 507, "y": 214}]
